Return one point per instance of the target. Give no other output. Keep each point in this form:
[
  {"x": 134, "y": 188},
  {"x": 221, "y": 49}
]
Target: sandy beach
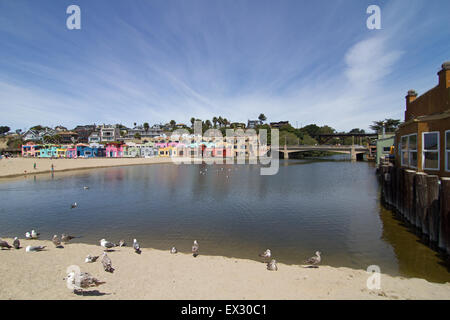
[
  {"x": 156, "y": 274},
  {"x": 13, "y": 167}
]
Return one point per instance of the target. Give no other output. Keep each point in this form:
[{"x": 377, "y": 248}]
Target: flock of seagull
[{"x": 85, "y": 280}]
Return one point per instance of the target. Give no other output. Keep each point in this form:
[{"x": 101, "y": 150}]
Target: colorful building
[{"x": 423, "y": 140}]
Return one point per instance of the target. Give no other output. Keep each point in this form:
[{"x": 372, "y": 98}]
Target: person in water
[{"x": 53, "y": 168}]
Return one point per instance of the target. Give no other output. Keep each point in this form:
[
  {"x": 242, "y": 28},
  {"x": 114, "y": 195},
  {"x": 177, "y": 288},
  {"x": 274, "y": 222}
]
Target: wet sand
[
  {"x": 156, "y": 274},
  {"x": 14, "y": 167}
]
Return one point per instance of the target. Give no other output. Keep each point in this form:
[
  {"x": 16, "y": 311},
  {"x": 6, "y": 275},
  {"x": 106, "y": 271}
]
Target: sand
[
  {"x": 17, "y": 166},
  {"x": 156, "y": 274}
]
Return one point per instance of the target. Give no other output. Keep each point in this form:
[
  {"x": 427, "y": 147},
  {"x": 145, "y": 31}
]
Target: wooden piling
[
  {"x": 444, "y": 229},
  {"x": 433, "y": 210},
  {"x": 409, "y": 201},
  {"x": 421, "y": 202}
]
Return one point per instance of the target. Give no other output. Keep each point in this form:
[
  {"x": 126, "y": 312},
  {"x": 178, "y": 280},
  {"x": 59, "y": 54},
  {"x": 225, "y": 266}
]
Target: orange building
[{"x": 423, "y": 140}]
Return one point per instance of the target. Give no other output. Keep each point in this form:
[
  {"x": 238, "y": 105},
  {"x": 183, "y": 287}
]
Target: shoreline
[
  {"x": 15, "y": 167},
  {"x": 157, "y": 274}
]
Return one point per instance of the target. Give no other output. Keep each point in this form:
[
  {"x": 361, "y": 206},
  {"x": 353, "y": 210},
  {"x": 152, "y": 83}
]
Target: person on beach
[
  {"x": 34, "y": 166},
  {"x": 53, "y": 167}
]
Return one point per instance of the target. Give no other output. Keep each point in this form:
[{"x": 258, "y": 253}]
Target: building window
[
  {"x": 447, "y": 150},
  {"x": 430, "y": 151},
  {"x": 404, "y": 151},
  {"x": 408, "y": 151}
]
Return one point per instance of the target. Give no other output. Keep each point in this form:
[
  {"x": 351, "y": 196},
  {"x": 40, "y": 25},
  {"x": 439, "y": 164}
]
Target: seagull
[
  {"x": 136, "y": 246},
  {"x": 173, "y": 250},
  {"x": 90, "y": 259},
  {"x": 34, "y": 234},
  {"x": 107, "y": 265},
  {"x": 85, "y": 188},
  {"x": 34, "y": 248},
  {"x": 266, "y": 255},
  {"x": 106, "y": 244},
  {"x": 272, "y": 265},
  {"x": 66, "y": 238},
  {"x": 82, "y": 281},
  {"x": 28, "y": 235},
  {"x": 73, "y": 206},
  {"x": 56, "y": 241},
  {"x": 314, "y": 260},
  {"x": 16, "y": 243},
  {"x": 122, "y": 243},
  {"x": 4, "y": 244},
  {"x": 195, "y": 248}
]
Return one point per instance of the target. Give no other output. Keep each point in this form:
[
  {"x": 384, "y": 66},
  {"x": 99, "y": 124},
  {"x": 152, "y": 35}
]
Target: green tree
[
  {"x": 208, "y": 124},
  {"x": 214, "y": 119},
  {"x": 137, "y": 135},
  {"x": 4, "y": 129},
  {"x": 192, "y": 122},
  {"x": 173, "y": 123},
  {"x": 390, "y": 125},
  {"x": 307, "y": 140},
  {"x": 146, "y": 126},
  {"x": 37, "y": 128}
]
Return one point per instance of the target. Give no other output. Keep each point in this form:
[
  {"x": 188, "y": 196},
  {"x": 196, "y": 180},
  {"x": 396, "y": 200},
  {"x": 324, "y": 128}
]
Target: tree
[
  {"x": 192, "y": 121},
  {"x": 146, "y": 126},
  {"x": 226, "y": 122},
  {"x": 137, "y": 135},
  {"x": 311, "y": 129},
  {"x": 307, "y": 140},
  {"x": 15, "y": 143},
  {"x": 220, "y": 120},
  {"x": 37, "y": 128},
  {"x": 4, "y": 129},
  {"x": 173, "y": 123},
  {"x": 390, "y": 125},
  {"x": 214, "y": 119},
  {"x": 208, "y": 124},
  {"x": 262, "y": 117}
]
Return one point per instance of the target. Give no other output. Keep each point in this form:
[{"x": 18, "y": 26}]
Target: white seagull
[
  {"x": 90, "y": 259},
  {"x": 34, "y": 234},
  {"x": 173, "y": 250},
  {"x": 74, "y": 205},
  {"x": 266, "y": 255},
  {"x": 28, "y": 235},
  {"x": 272, "y": 265},
  {"x": 56, "y": 241},
  {"x": 16, "y": 243},
  {"x": 4, "y": 245},
  {"x": 107, "y": 244},
  {"x": 195, "y": 249},
  {"x": 82, "y": 281},
  {"x": 34, "y": 248},
  {"x": 136, "y": 246}
]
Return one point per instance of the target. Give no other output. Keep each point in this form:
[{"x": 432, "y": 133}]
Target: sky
[{"x": 157, "y": 60}]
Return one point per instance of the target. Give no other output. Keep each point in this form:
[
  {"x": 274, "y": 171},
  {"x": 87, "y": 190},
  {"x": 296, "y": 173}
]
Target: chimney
[
  {"x": 410, "y": 97},
  {"x": 444, "y": 75}
]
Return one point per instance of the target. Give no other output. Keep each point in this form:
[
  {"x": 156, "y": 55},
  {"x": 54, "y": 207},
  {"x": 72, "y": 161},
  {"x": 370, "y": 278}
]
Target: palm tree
[
  {"x": 220, "y": 121},
  {"x": 215, "y": 121},
  {"x": 208, "y": 123},
  {"x": 173, "y": 123},
  {"x": 192, "y": 121},
  {"x": 146, "y": 126},
  {"x": 226, "y": 122},
  {"x": 262, "y": 117}
]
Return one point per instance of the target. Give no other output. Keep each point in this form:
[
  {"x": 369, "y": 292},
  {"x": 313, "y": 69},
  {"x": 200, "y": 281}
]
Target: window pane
[
  {"x": 404, "y": 143},
  {"x": 413, "y": 159},
  {"x": 431, "y": 141},
  {"x": 405, "y": 161},
  {"x": 448, "y": 161},
  {"x": 431, "y": 160},
  {"x": 413, "y": 142},
  {"x": 447, "y": 135}
]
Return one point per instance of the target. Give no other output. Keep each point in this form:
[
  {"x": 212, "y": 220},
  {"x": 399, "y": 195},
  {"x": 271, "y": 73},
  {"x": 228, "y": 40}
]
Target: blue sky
[{"x": 153, "y": 61}]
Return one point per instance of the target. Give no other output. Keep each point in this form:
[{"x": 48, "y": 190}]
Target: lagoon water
[{"x": 330, "y": 204}]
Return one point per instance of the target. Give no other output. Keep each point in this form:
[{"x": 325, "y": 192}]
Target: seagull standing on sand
[
  {"x": 122, "y": 243},
  {"x": 272, "y": 265},
  {"x": 107, "y": 265},
  {"x": 16, "y": 243},
  {"x": 136, "y": 246},
  {"x": 106, "y": 244},
  {"x": 65, "y": 238},
  {"x": 314, "y": 260},
  {"x": 4, "y": 244},
  {"x": 266, "y": 255},
  {"x": 34, "y": 248},
  {"x": 28, "y": 235},
  {"x": 56, "y": 241},
  {"x": 83, "y": 281},
  {"x": 173, "y": 250},
  {"x": 34, "y": 234},
  {"x": 90, "y": 259},
  {"x": 195, "y": 249}
]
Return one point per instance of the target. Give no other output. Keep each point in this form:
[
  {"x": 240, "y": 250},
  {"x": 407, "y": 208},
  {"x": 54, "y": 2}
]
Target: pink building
[
  {"x": 114, "y": 150},
  {"x": 29, "y": 149}
]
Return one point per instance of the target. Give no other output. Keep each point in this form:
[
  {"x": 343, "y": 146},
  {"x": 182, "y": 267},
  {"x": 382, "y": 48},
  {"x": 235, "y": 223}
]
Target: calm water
[{"x": 328, "y": 205}]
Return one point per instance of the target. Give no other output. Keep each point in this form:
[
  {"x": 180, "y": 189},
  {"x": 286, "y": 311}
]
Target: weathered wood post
[
  {"x": 401, "y": 192},
  {"x": 421, "y": 202},
  {"x": 409, "y": 196},
  {"x": 433, "y": 208},
  {"x": 395, "y": 186},
  {"x": 444, "y": 230}
]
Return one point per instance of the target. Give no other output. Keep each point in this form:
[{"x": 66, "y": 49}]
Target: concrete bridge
[{"x": 356, "y": 152}]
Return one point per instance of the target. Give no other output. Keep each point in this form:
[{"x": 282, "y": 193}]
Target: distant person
[
  {"x": 53, "y": 167},
  {"x": 34, "y": 166}
]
